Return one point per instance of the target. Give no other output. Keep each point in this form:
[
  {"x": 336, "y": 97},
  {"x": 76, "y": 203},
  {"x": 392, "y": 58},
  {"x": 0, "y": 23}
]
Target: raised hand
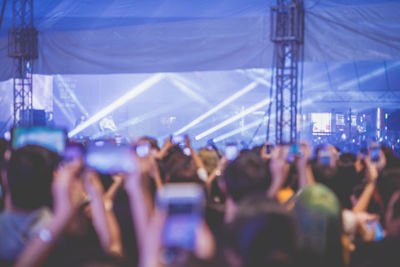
[
  {"x": 279, "y": 168},
  {"x": 67, "y": 190}
]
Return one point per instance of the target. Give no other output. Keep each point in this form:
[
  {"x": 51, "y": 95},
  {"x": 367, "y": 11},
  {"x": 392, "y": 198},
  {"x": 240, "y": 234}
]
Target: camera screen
[
  {"x": 110, "y": 159},
  {"x": 52, "y": 139},
  {"x": 231, "y": 152},
  {"x": 143, "y": 150}
]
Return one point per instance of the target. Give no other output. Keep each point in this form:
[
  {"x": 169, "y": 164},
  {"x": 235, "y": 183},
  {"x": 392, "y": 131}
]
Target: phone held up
[
  {"x": 231, "y": 152},
  {"x": 53, "y": 139},
  {"x": 110, "y": 159},
  {"x": 184, "y": 206}
]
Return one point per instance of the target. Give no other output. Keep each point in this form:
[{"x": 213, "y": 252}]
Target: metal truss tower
[
  {"x": 287, "y": 30},
  {"x": 23, "y": 47}
]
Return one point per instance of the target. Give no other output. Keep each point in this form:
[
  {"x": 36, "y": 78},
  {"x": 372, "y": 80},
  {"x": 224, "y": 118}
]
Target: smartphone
[
  {"x": 375, "y": 153},
  {"x": 142, "y": 150},
  {"x": 178, "y": 139},
  {"x": 377, "y": 228},
  {"x": 184, "y": 205},
  {"x": 324, "y": 156},
  {"x": 231, "y": 152},
  {"x": 110, "y": 159},
  {"x": 293, "y": 152},
  {"x": 53, "y": 139},
  {"x": 187, "y": 151}
]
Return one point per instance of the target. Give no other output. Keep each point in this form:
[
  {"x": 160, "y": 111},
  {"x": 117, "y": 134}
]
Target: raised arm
[
  {"x": 139, "y": 211},
  {"x": 68, "y": 196},
  {"x": 279, "y": 170},
  {"x": 103, "y": 217},
  {"x": 306, "y": 176},
  {"x": 371, "y": 175}
]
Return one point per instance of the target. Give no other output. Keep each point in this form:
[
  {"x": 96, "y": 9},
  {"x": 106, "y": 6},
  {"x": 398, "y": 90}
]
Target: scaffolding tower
[
  {"x": 287, "y": 31},
  {"x": 23, "y": 48}
]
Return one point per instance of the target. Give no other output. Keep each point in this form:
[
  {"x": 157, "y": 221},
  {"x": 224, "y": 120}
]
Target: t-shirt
[{"x": 16, "y": 229}]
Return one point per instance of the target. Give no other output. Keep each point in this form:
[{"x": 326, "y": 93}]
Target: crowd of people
[{"x": 141, "y": 204}]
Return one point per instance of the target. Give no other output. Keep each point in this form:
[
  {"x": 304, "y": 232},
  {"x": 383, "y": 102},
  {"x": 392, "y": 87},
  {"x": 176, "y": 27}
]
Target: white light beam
[
  {"x": 238, "y": 130},
  {"x": 224, "y": 103},
  {"x": 234, "y": 118},
  {"x": 146, "y": 84}
]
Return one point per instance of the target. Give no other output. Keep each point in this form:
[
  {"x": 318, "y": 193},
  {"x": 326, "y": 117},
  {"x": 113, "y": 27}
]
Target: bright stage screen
[{"x": 321, "y": 123}]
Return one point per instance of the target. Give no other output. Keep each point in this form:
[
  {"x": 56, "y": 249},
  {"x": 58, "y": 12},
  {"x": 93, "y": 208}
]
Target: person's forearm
[
  {"x": 306, "y": 176},
  {"x": 110, "y": 194},
  {"x": 212, "y": 176},
  {"x": 277, "y": 181},
  {"x": 40, "y": 246},
  {"x": 273, "y": 189},
  {"x": 365, "y": 198},
  {"x": 140, "y": 215},
  {"x": 157, "y": 177},
  {"x": 162, "y": 152},
  {"x": 197, "y": 160},
  {"x": 99, "y": 221},
  {"x": 115, "y": 247}
]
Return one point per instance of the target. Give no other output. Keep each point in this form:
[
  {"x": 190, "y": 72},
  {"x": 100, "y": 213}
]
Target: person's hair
[
  {"x": 257, "y": 149},
  {"x": 181, "y": 169},
  {"x": 388, "y": 183},
  {"x": 319, "y": 214},
  {"x": 209, "y": 158},
  {"x": 152, "y": 141},
  {"x": 391, "y": 160},
  {"x": 29, "y": 176},
  {"x": 263, "y": 233},
  {"x": 245, "y": 175}
]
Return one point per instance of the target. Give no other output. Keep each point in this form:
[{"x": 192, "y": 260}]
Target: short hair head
[
  {"x": 264, "y": 233},
  {"x": 29, "y": 176},
  {"x": 245, "y": 175}
]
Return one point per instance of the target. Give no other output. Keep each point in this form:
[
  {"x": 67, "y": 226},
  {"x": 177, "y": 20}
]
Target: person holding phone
[{"x": 27, "y": 187}]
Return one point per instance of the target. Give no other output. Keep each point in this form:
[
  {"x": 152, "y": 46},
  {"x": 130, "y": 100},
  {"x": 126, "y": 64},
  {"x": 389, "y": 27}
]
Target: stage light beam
[
  {"x": 224, "y": 103},
  {"x": 238, "y": 130},
  {"x": 232, "y": 119},
  {"x": 143, "y": 86}
]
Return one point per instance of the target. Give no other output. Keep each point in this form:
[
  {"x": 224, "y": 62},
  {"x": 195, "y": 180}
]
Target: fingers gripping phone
[
  {"x": 375, "y": 226},
  {"x": 294, "y": 151},
  {"x": 180, "y": 140},
  {"x": 184, "y": 205}
]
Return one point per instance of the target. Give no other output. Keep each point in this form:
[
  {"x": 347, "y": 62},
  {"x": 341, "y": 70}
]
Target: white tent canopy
[
  {"x": 207, "y": 51},
  {"x": 125, "y": 36}
]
